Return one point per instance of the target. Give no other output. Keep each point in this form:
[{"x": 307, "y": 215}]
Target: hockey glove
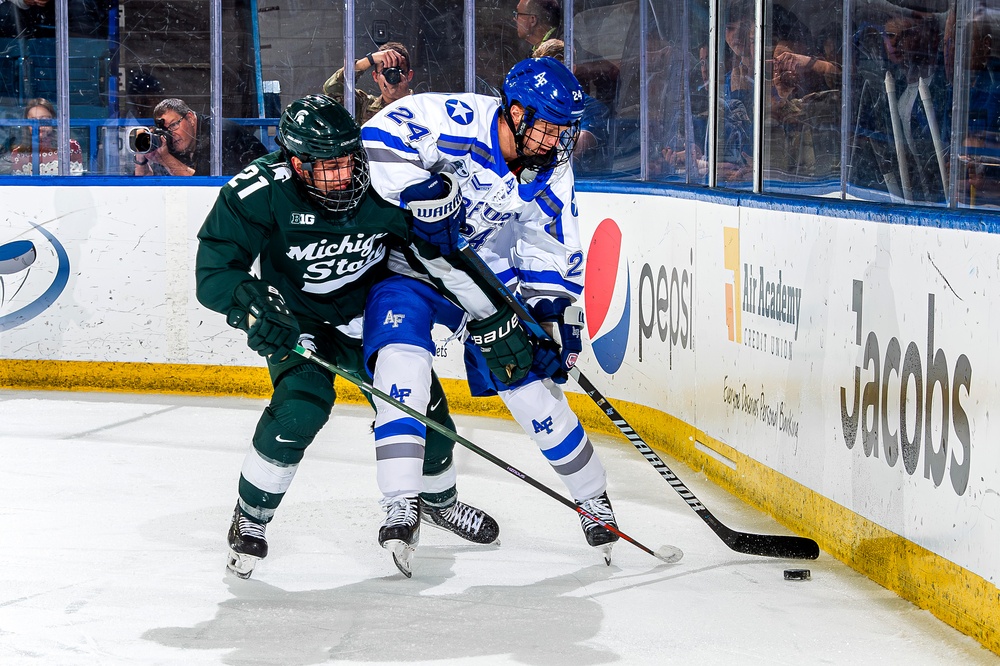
[
  {"x": 261, "y": 312},
  {"x": 438, "y": 211},
  {"x": 504, "y": 343},
  {"x": 564, "y": 323}
]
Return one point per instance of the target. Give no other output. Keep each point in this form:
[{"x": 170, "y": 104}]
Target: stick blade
[
  {"x": 669, "y": 554},
  {"x": 773, "y": 545}
]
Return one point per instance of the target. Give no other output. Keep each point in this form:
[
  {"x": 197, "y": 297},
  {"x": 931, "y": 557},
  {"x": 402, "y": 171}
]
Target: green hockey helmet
[{"x": 318, "y": 128}]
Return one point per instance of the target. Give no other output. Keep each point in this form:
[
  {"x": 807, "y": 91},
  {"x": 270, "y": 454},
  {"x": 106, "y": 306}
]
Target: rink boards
[{"x": 835, "y": 372}]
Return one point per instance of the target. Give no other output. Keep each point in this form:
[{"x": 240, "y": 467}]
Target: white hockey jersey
[{"x": 527, "y": 233}]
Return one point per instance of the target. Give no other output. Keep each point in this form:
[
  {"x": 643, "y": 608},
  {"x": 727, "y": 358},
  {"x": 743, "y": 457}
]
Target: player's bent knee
[{"x": 303, "y": 400}]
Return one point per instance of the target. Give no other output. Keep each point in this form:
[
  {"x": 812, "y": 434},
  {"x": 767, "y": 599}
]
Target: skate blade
[
  {"x": 606, "y": 552},
  {"x": 242, "y": 565},
  {"x": 402, "y": 555}
]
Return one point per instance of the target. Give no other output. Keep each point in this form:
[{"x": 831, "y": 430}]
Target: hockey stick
[
  {"x": 768, "y": 545},
  {"x": 667, "y": 554}
]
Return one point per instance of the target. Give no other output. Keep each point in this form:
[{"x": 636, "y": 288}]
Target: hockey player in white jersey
[{"x": 508, "y": 162}]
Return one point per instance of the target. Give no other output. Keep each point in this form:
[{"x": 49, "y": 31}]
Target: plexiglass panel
[
  {"x": 677, "y": 84},
  {"x": 736, "y": 109},
  {"x": 900, "y": 105},
  {"x": 28, "y": 88},
  {"x": 802, "y": 101},
  {"x": 978, "y": 172}
]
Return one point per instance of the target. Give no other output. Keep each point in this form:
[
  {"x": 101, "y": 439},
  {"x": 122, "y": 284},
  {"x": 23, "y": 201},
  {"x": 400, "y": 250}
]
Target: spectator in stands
[
  {"x": 186, "y": 149},
  {"x": 591, "y": 146},
  {"x": 391, "y": 72},
  {"x": 903, "y": 107},
  {"x": 538, "y": 21},
  {"x": 20, "y": 160}
]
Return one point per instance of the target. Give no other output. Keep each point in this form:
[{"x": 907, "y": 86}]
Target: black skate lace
[
  {"x": 598, "y": 507},
  {"x": 399, "y": 510},
  {"x": 249, "y": 528},
  {"x": 464, "y": 516}
]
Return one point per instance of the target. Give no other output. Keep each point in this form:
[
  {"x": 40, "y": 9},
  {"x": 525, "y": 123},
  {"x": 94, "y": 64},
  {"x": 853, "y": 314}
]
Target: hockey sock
[
  {"x": 542, "y": 410},
  {"x": 300, "y": 406},
  {"x": 404, "y": 372}
]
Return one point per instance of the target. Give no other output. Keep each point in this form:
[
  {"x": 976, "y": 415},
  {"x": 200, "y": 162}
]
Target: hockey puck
[{"x": 797, "y": 574}]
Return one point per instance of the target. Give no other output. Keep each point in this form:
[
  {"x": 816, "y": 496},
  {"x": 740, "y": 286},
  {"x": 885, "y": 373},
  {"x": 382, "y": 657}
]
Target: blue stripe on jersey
[
  {"x": 550, "y": 277},
  {"x": 550, "y": 204},
  {"x": 508, "y": 275},
  {"x": 460, "y": 146},
  {"x": 376, "y": 135},
  {"x": 565, "y": 447},
  {"x": 403, "y": 426}
]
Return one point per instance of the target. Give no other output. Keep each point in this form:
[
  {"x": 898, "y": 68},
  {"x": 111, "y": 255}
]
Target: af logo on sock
[
  {"x": 393, "y": 319},
  {"x": 400, "y": 394},
  {"x": 545, "y": 424}
]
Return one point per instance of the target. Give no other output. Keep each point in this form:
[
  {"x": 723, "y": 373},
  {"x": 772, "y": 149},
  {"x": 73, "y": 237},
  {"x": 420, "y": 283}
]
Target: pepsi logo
[{"x": 608, "y": 296}]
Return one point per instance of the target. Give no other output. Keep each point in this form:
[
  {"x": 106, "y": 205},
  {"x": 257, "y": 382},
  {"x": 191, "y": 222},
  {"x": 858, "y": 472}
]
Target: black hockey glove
[
  {"x": 438, "y": 211},
  {"x": 564, "y": 324},
  {"x": 504, "y": 343},
  {"x": 261, "y": 312}
]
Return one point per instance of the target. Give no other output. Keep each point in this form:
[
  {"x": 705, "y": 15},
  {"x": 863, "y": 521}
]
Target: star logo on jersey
[{"x": 459, "y": 111}]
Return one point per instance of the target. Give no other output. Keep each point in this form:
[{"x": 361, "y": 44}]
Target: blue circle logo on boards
[{"x": 17, "y": 259}]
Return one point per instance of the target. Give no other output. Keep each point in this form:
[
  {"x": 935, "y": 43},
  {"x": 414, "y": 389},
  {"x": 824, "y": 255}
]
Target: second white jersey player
[{"x": 511, "y": 161}]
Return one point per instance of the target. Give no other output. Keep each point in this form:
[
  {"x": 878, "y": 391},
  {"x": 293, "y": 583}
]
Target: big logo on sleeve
[{"x": 607, "y": 296}]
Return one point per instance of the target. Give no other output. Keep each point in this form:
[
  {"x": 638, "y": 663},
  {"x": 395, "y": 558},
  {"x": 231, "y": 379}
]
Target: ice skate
[
  {"x": 597, "y": 535},
  {"x": 400, "y": 531},
  {"x": 247, "y": 544},
  {"x": 464, "y": 520}
]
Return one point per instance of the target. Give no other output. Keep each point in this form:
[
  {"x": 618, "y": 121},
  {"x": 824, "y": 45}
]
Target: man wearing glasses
[
  {"x": 391, "y": 72},
  {"x": 538, "y": 21},
  {"x": 184, "y": 146}
]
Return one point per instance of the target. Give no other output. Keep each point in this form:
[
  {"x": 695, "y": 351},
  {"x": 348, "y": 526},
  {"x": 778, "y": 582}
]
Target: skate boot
[
  {"x": 597, "y": 535},
  {"x": 464, "y": 520},
  {"x": 400, "y": 531},
  {"x": 247, "y": 544}
]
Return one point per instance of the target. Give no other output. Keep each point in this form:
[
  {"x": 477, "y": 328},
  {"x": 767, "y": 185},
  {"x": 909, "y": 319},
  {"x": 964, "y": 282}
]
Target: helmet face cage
[
  {"x": 343, "y": 200},
  {"x": 317, "y": 128},
  {"x": 560, "y": 153}
]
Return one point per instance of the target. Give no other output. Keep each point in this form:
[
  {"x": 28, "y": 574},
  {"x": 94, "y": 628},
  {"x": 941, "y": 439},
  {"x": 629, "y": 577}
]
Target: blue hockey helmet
[{"x": 547, "y": 90}]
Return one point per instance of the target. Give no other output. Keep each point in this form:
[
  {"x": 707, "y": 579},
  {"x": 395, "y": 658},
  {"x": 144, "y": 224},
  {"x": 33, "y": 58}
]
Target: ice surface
[{"x": 115, "y": 507}]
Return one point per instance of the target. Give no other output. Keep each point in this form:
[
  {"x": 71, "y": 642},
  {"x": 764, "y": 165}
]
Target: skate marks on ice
[{"x": 392, "y": 619}]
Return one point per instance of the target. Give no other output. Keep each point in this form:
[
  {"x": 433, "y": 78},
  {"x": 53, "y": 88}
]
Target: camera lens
[{"x": 392, "y": 75}]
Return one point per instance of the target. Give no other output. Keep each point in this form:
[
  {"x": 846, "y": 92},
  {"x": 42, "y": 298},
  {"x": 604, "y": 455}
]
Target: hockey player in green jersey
[{"x": 323, "y": 238}]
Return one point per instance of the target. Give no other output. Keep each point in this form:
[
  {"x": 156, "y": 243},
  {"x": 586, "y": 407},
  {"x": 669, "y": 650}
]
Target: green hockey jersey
[{"x": 323, "y": 263}]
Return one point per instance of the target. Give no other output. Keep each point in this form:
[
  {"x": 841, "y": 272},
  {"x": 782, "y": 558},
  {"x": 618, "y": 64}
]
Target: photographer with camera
[
  {"x": 180, "y": 143},
  {"x": 391, "y": 73}
]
